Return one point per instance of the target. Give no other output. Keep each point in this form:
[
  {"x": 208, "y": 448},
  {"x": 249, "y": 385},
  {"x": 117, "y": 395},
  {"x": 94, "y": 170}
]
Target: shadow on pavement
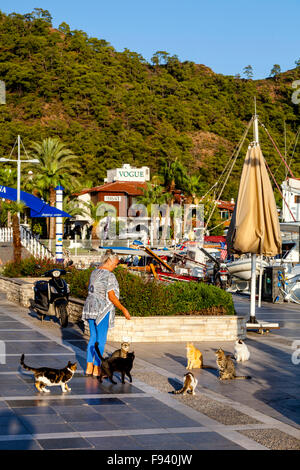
[{"x": 281, "y": 381}]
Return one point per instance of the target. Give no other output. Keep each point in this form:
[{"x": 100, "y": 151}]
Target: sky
[{"x": 225, "y": 35}]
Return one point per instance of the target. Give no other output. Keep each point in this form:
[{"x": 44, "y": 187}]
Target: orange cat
[{"x": 194, "y": 357}]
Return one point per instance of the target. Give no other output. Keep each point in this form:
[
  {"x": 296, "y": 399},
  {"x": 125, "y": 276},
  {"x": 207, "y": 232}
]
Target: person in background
[{"x": 99, "y": 308}]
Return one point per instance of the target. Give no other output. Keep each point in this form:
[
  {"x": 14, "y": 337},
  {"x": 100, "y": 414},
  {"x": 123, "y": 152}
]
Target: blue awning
[{"x": 38, "y": 207}]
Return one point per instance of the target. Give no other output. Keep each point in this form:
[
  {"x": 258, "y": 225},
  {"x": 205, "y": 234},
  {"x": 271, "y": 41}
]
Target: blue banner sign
[{"x": 38, "y": 207}]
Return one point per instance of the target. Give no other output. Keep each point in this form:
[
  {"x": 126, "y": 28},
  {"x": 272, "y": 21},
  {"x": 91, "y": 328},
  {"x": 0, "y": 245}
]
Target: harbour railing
[{"x": 28, "y": 240}]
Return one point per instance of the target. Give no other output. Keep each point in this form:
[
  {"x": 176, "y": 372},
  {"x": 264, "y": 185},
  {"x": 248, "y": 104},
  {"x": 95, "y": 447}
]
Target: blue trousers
[{"x": 97, "y": 334}]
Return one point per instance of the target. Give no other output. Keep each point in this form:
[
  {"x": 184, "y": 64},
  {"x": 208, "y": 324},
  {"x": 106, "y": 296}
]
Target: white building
[
  {"x": 291, "y": 194},
  {"x": 128, "y": 173}
]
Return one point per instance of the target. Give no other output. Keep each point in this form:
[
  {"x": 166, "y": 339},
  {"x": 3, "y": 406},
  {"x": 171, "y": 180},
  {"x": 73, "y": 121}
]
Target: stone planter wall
[{"x": 143, "y": 329}]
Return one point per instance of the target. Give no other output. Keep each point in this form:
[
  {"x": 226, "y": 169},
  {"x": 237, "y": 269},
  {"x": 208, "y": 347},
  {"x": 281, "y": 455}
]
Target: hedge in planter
[
  {"x": 142, "y": 298},
  {"x": 151, "y": 298}
]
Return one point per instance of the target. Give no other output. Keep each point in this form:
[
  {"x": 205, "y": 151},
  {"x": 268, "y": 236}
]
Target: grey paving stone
[
  {"x": 48, "y": 428},
  {"x": 37, "y": 347},
  {"x": 41, "y": 419},
  {"x": 208, "y": 440},
  {"x": 19, "y": 445},
  {"x": 6, "y": 412},
  {"x": 104, "y": 401},
  {"x": 65, "y": 444},
  {"x": 34, "y": 410},
  {"x": 104, "y": 409},
  {"x": 13, "y": 326},
  {"x": 162, "y": 442},
  {"x": 10, "y": 380},
  {"x": 81, "y": 417},
  {"x": 28, "y": 335},
  {"x": 114, "y": 443},
  {"x": 131, "y": 421},
  {"x": 99, "y": 425},
  {"x": 13, "y": 426},
  {"x": 51, "y": 402}
]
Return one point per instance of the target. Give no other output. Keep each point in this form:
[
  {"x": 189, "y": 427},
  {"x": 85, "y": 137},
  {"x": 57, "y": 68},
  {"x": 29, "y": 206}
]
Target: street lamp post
[{"x": 19, "y": 161}]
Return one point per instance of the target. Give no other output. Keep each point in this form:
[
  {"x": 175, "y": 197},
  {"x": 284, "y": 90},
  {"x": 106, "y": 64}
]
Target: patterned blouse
[{"x": 97, "y": 303}]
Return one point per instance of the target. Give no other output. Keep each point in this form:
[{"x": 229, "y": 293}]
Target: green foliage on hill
[{"x": 113, "y": 107}]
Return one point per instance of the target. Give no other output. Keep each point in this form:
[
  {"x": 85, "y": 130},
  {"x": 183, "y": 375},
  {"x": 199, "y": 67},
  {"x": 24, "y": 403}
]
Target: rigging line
[
  {"x": 296, "y": 143},
  {"x": 24, "y": 148},
  {"x": 290, "y": 145},
  {"x": 273, "y": 177},
  {"x": 13, "y": 148},
  {"x": 230, "y": 170},
  {"x": 225, "y": 168},
  {"x": 202, "y": 197},
  {"x": 230, "y": 159},
  {"x": 277, "y": 149}
]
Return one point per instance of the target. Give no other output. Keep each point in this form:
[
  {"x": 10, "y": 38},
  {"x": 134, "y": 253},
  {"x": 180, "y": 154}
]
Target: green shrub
[
  {"x": 141, "y": 297},
  {"x": 29, "y": 267},
  {"x": 150, "y": 298}
]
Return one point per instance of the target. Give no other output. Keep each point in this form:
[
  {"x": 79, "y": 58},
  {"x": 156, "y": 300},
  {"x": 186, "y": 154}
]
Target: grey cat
[
  {"x": 123, "y": 351},
  {"x": 226, "y": 367}
]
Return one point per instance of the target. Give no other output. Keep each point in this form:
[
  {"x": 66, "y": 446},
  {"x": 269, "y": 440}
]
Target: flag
[{"x": 223, "y": 255}]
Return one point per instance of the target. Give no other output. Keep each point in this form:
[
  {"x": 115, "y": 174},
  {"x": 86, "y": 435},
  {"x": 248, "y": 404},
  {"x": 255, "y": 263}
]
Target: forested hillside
[{"x": 113, "y": 107}]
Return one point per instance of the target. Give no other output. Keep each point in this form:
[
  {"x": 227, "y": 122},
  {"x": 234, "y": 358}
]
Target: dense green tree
[
  {"x": 58, "y": 166},
  {"x": 275, "y": 71},
  {"x": 248, "y": 71},
  {"x": 113, "y": 107},
  {"x": 15, "y": 208}
]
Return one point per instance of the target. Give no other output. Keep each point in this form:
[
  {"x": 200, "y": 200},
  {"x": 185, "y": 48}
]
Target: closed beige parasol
[{"x": 254, "y": 226}]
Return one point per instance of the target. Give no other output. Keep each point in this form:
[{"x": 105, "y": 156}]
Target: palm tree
[
  {"x": 8, "y": 177},
  {"x": 192, "y": 189},
  {"x": 92, "y": 210},
  {"x": 15, "y": 208},
  {"x": 58, "y": 165},
  {"x": 153, "y": 194},
  {"x": 174, "y": 177}
]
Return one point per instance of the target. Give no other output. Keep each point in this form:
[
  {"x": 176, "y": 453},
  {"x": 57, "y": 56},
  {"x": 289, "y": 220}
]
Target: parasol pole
[{"x": 253, "y": 255}]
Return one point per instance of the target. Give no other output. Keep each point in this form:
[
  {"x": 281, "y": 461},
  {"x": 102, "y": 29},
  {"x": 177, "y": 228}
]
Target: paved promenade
[{"x": 261, "y": 413}]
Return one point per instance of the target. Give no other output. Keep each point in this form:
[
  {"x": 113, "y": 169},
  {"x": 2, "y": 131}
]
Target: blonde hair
[{"x": 109, "y": 255}]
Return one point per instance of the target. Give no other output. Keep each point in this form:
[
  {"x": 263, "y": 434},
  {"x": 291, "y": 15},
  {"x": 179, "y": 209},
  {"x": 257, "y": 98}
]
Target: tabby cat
[
  {"x": 123, "y": 351},
  {"x": 46, "y": 376},
  {"x": 226, "y": 367},
  {"x": 110, "y": 365},
  {"x": 189, "y": 384},
  {"x": 195, "y": 358}
]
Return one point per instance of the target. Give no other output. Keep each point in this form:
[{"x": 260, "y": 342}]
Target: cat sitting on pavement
[
  {"x": 241, "y": 352},
  {"x": 189, "y": 384}
]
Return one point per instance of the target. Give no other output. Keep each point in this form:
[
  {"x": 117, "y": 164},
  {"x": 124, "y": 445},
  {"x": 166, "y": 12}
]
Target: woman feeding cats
[{"x": 99, "y": 308}]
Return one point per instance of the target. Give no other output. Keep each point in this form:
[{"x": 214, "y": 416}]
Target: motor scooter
[
  {"x": 52, "y": 297},
  {"x": 222, "y": 277}
]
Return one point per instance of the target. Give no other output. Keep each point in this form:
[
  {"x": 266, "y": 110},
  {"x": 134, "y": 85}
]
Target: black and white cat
[
  {"x": 189, "y": 384},
  {"x": 45, "y": 376},
  {"x": 241, "y": 352}
]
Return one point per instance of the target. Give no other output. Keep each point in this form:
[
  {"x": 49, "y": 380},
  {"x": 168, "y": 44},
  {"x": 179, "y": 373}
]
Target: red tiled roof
[
  {"x": 133, "y": 188},
  {"x": 226, "y": 205},
  {"x": 214, "y": 238}
]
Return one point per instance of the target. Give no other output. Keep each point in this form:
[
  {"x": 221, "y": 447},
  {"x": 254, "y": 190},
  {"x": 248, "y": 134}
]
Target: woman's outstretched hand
[{"x": 126, "y": 314}]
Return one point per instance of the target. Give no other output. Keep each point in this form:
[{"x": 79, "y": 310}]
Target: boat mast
[{"x": 253, "y": 255}]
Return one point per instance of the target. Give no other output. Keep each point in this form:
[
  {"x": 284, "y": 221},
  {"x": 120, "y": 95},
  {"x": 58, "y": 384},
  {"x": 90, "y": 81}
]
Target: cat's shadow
[
  {"x": 175, "y": 384},
  {"x": 183, "y": 361},
  {"x": 180, "y": 359}
]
